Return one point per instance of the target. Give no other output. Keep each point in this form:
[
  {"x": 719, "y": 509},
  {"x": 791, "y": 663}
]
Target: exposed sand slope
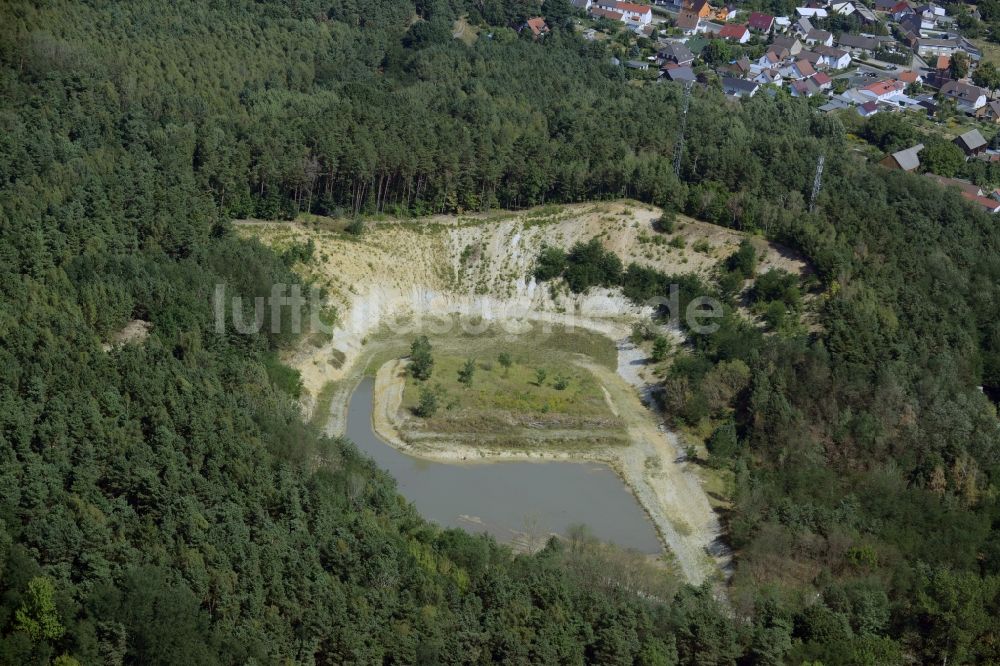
[{"x": 482, "y": 265}]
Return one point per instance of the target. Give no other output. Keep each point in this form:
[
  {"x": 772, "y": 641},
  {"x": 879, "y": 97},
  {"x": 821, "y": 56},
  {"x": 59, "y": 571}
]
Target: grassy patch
[
  {"x": 515, "y": 389},
  {"x": 991, "y": 51},
  {"x": 515, "y": 406}
]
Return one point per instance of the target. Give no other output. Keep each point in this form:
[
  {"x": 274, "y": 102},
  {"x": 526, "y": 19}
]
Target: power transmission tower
[
  {"x": 817, "y": 182},
  {"x": 679, "y": 148}
]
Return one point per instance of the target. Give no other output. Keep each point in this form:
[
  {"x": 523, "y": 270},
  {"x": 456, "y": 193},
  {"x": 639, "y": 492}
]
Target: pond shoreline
[{"x": 651, "y": 467}]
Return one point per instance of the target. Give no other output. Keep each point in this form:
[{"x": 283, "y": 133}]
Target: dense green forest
[{"x": 163, "y": 503}]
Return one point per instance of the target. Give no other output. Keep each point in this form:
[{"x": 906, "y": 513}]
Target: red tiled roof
[
  {"x": 880, "y": 88},
  {"x": 537, "y": 25},
  {"x": 606, "y": 13},
  {"x": 805, "y": 68},
  {"x": 759, "y": 21},
  {"x": 821, "y": 78},
  {"x": 987, "y": 203},
  {"x": 687, "y": 19},
  {"x": 909, "y": 76},
  {"x": 631, "y": 7},
  {"x": 733, "y": 31},
  {"x": 943, "y": 62}
]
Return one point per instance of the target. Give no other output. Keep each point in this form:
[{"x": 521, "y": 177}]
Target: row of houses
[{"x": 630, "y": 13}]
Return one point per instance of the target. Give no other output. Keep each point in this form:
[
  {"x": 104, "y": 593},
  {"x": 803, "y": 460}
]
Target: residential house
[
  {"x": 969, "y": 192},
  {"x": 855, "y": 97},
  {"x": 630, "y": 11},
  {"x": 800, "y": 69},
  {"x": 811, "y": 12},
  {"x": 700, "y": 7},
  {"x": 739, "y": 87},
  {"x": 865, "y": 15},
  {"x": 608, "y": 14},
  {"x": 833, "y": 105},
  {"x": 726, "y": 12},
  {"x": 641, "y": 65},
  {"x": 972, "y": 143},
  {"x": 677, "y": 53},
  {"x": 582, "y": 4},
  {"x": 903, "y": 160},
  {"x": 989, "y": 112},
  {"x": 771, "y": 59},
  {"x": 711, "y": 28},
  {"x": 688, "y": 22},
  {"x": 813, "y": 58},
  {"x": 760, "y": 22},
  {"x": 965, "y": 187},
  {"x": 843, "y": 8},
  {"x": 682, "y": 74},
  {"x": 912, "y": 26},
  {"x": 735, "y": 33},
  {"x": 858, "y": 43},
  {"x": 821, "y": 37},
  {"x": 766, "y": 76},
  {"x": 928, "y": 47},
  {"x": 967, "y": 97},
  {"x": 635, "y": 13},
  {"x": 927, "y": 20},
  {"x": 537, "y": 26},
  {"x": 885, "y": 5},
  {"x": 931, "y": 9},
  {"x": 934, "y": 46},
  {"x": 886, "y": 90},
  {"x": 822, "y": 80},
  {"x": 988, "y": 204},
  {"x": 900, "y": 9},
  {"x": 868, "y": 109},
  {"x": 833, "y": 58},
  {"x": 803, "y": 88},
  {"x": 802, "y": 27},
  {"x": 780, "y": 51},
  {"x": 910, "y": 77},
  {"x": 740, "y": 67},
  {"x": 793, "y": 45}
]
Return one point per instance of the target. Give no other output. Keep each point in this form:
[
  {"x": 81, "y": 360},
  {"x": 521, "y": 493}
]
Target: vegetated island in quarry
[{"x": 479, "y": 270}]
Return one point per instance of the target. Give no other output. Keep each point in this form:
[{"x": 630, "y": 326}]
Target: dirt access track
[{"x": 413, "y": 272}]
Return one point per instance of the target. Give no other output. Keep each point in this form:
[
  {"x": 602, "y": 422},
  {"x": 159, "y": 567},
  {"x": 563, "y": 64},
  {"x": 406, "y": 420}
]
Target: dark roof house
[
  {"x": 967, "y": 96},
  {"x": 761, "y": 22},
  {"x": 857, "y": 42},
  {"x": 904, "y": 160},
  {"x": 682, "y": 74},
  {"x": 678, "y": 53},
  {"x": 972, "y": 142},
  {"x": 739, "y": 87}
]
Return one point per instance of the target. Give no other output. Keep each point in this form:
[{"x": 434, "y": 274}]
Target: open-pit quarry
[{"x": 466, "y": 278}]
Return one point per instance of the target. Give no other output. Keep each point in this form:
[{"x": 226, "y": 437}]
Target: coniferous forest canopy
[{"x": 164, "y": 503}]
